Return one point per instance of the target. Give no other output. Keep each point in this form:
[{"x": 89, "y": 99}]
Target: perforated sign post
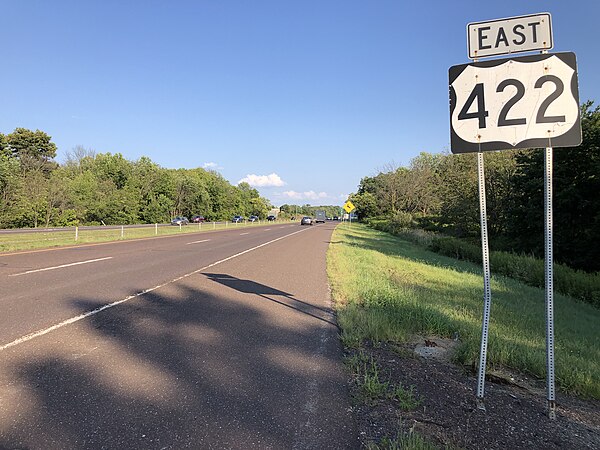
[{"x": 511, "y": 103}]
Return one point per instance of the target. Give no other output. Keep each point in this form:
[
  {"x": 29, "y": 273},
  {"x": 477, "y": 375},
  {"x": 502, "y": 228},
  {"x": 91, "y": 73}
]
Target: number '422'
[{"x": 477, "y": 97}]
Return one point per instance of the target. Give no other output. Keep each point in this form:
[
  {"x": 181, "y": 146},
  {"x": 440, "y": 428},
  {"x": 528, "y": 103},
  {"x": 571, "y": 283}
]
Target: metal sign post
[
  {"x": 549, "y": 288},
  {"x": 487, "y": 292}
]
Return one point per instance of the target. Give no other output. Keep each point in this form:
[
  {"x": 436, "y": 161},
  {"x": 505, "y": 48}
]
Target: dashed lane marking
[
  {"x": 61, "y": 266},
  {"x": 198, "y": 242}
]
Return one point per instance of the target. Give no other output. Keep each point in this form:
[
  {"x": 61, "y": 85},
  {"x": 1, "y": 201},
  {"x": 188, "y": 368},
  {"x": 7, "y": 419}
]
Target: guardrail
[{"x": 34, "y": 238}]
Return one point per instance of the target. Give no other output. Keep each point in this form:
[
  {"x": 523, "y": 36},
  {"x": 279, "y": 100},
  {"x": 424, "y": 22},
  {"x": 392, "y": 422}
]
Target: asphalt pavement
[{"x": 219, "y": 340}]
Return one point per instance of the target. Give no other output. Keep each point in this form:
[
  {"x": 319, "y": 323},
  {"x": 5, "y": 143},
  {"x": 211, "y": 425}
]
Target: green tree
[
  {"x": 576, "y": 206},
  {"x": 79, "y": 158},
  {"x": 34, "y": 149},
  {"x": 366, "y": 205},
  {"x": 10, "y": 191},
  {"x": 459, "y": 210},
  {"x": 3, "y": 145},
  {"x": 115, "y": 168},
  {"x": 259, "y": 207},
  {"x": 419, "y": 186}
]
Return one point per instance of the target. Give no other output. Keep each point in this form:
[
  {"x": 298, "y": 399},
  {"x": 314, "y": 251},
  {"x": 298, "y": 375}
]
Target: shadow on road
[
  {"x": 266, "y": 292},
  {"x": 181, "y": 367}
]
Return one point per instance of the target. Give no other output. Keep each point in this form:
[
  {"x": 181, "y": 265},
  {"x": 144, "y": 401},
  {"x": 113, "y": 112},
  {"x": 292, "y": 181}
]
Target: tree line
[
  {"x": 92, "y": 188},
  {"x": 439, "y": 192},
  {"x": 309, "y": 210}
]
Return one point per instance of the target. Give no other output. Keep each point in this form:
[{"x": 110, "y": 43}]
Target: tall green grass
[
  {"x": 575, "y": 283},
  {"x": 387, "y": 289}
]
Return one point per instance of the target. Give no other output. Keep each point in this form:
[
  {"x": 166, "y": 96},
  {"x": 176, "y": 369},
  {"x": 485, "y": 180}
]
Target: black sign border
[{"x": 571, "y": 138}]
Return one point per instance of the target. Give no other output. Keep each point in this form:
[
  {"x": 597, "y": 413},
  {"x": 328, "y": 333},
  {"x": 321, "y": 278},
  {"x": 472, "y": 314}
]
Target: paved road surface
[{"x": 211, "y": 340}]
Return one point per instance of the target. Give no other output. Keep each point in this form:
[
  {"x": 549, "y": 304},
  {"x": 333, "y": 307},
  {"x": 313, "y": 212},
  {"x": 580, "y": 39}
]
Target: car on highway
[
  {"x": 306, "y": 221},
  {"x": 320, "y": 216},
  {"x": 253, "y": 219},
  {"x": 237, "y": 219},
  {"x": 179, "y": 220},
  {"x": 198, "y": 219},
  {"x": 271, "y": 218}
]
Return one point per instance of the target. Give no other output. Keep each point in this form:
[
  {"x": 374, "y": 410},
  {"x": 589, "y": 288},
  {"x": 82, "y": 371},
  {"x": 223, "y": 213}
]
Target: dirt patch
[
  {"x": 431, "y": 347},
  {"x": 515, "y": 416}
]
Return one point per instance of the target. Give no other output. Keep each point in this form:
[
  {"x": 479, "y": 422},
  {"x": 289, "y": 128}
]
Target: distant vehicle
[
  {"x": 306, "y": 221},
  {"x": 336, "y": 218},
  {"x": 252, "y": 218},
  {"x": 180, "y": 221},
  {"x": 237, "y": 219},
  {"x": 271, "y": 218},
  {"x": 198, "y": 219},
  {"x": 320, "y": 216}
]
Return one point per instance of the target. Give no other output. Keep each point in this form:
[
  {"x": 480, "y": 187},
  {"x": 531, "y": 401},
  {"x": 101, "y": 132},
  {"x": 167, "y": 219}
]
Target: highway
[{"x": 221, "y": 339}]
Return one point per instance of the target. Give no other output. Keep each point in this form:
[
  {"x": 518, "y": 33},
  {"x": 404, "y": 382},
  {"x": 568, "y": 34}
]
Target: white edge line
[
  {"x": 243, "y": 234},
  {"x": 60, "y": 267},
  {"x": 39, "y": 333}
]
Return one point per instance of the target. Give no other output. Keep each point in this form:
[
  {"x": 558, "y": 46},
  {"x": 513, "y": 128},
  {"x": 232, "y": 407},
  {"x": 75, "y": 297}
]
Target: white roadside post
[
  {"x": 156, "y": 229},
  {"x": 512, "y": 103},
  {"x": 76, "y": 233},
  {"x": 122, "y": 231}
]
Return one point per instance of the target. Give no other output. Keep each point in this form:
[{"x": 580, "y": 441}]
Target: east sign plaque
[
  {"x": 510, "y": 103},
  {"x": 512, "y": 35}
]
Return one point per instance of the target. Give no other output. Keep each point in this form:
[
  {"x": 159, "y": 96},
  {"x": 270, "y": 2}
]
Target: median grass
[
  {"x": 47, "y": 239},
  {"x": 389, "y": 289}
]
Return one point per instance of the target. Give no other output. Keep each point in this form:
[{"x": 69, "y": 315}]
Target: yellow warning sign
[{"x": 349, "y": 207}]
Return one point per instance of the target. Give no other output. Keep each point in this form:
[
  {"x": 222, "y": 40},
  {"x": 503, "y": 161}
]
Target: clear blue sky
[{"x": 318, "y": 93}]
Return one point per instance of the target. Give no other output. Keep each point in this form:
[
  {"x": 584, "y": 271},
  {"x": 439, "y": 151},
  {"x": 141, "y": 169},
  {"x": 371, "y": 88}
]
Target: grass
[
  {"x": 387, "y": 289},
  {"x": 366, "y": 373},
  {"x": 411, "y": 441},
  {"x": 575, "y": 283},
  {"x": 42, "y": 239},
  {"x": 406, "y": 397}
]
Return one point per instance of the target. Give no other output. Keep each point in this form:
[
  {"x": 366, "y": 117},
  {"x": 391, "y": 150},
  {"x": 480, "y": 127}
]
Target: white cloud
[
  {"x": 210, "y": 165},
  {"x": 262, "y": 180},
  {"x": 307, "y": 195}
]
